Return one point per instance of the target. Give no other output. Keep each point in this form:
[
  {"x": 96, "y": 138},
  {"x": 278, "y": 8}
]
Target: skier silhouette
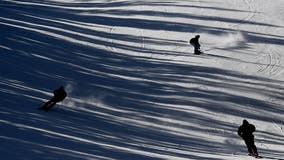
[
  {"x": 58, "y": 96},
  {"x": 246, "y": 132},
  {"x": 195, "y": 43}
]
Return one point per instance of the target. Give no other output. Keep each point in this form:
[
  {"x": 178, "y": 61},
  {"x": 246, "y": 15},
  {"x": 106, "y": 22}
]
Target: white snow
[{"x": 135, "y": 89}]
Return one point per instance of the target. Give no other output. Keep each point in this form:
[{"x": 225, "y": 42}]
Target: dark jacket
[
  {"x": 246, "y": 130},
  {"x": 195, "y": 42},
  {"x": 59, "y": 94}
]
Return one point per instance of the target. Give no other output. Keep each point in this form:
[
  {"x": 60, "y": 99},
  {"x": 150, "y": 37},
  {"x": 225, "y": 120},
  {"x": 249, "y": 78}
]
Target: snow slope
[{"x": 135, "y": 90}]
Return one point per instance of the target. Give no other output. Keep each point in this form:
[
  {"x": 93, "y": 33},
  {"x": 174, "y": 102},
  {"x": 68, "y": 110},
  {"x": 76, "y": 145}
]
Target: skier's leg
[
  {"x": 196, "y": 50},
  {"x": 195, "y": 47},
  {"x": 248, "y": 144},
  {"x": 254, "y": 149},
  {"x": 50, "y": 106},
  {"x": 45, "y": 105},
  {"x": 251, "y": 147}
]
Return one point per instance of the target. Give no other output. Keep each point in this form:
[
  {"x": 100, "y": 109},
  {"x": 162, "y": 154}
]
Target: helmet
[
  {"x": 245, "y": 122},
  {"x": 197, "y": 36}
]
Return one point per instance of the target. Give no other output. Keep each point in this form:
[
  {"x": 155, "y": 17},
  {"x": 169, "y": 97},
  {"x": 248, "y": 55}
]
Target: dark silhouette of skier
[
  {"x": 58, "y": 96},
  {"x": 246, "y": 132},
  {"x": 195, "y": 43}
]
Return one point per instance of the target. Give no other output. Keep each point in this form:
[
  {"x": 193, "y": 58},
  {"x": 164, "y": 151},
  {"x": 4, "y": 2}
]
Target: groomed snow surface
[{"x": 135, "y": 89}]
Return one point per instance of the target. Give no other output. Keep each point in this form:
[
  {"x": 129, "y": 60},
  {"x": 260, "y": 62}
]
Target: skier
[
  {"x": 195, "y": 43},
  {"x": 246, "y": 132},
  {"x": 58, "y": 96}
]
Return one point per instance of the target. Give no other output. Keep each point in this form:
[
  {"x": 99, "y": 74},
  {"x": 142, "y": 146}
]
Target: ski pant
[
  {"x": 48, "y": 105},
  {"x": 250, "y": 145},
  {"x": 196, "y": 48}
]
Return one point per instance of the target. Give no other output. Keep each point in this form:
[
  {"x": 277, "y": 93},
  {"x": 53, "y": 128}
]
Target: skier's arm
[
  {"x": 198, "y": 45},
  {"x": 252, "y": 128},
  {"x": 240, "y": 132}
]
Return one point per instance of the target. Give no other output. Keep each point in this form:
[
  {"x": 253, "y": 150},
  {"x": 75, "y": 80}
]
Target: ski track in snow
[
  {"x": 252, "y": 13},
  {"x": 270, "y": 62}
]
